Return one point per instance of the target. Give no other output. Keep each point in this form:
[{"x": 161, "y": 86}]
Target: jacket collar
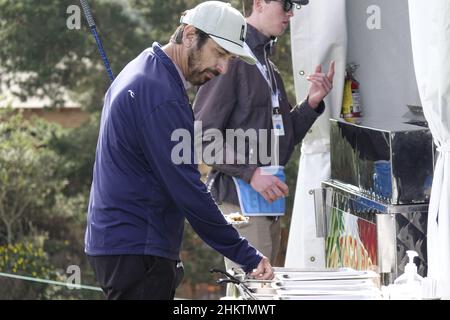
[
  {"x": 256, "y": 40},
  {"x": 169, "y": 64}
]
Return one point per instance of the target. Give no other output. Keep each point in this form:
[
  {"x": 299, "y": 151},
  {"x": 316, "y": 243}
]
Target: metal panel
[
  {"x": 387, "y": 247},
  {"x": 398, "y": 228},
  {"x": 388, "y": 160},
  {"x": 319, "y": 213},
  {"x": 411, "y": 230}
]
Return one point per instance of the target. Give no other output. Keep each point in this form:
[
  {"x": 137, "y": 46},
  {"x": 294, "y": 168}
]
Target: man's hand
[
  {"x": 264, "y": 270},
  {"x": 321, "y": 85},
  {"x": 269, "y": 186}
]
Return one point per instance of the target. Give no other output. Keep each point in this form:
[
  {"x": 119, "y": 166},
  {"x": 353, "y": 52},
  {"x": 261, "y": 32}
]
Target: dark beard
[{"x": 196, "y": 76}]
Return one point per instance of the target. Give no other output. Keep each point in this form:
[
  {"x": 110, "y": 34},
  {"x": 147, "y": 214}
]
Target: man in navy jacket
[{"x": 140, "y": 196}]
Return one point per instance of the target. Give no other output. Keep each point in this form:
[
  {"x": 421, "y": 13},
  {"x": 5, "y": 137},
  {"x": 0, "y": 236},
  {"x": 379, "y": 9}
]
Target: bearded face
[{"x": 198, "y": 74}]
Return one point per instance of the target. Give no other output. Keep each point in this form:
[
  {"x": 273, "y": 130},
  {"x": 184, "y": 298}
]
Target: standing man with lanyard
[
  {"x": 140, "y": 196},
  {"x": 253, "y": 98}
]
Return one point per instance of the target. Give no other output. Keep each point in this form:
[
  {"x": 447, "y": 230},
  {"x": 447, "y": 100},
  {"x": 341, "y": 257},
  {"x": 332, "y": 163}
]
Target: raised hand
[{"x": 321, "y": 85}]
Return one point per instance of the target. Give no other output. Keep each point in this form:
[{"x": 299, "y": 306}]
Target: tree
[
  {"x": 41, "y": 229},
  {"x": 26, "y": 175},
  {"x": 76, "y": 147},
  {"x": 43, "y": 58}
]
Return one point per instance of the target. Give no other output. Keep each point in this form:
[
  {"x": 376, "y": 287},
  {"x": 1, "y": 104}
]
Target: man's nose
[{"x": 222, "y": 66}]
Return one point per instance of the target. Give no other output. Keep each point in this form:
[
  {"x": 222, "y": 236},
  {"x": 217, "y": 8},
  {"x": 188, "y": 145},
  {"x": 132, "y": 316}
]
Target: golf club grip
[{"x": 87, "y": 13}]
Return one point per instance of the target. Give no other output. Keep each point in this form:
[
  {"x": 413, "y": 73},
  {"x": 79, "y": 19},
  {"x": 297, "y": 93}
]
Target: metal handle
[
  {"x": 224, "y": 281},
  {"x": 212, "y": 270},
  {"x": 245, "y": 291}
]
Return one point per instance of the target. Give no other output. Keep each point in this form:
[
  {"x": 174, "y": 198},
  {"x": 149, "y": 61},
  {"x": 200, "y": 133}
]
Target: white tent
[{"x": 393, "y": 42}]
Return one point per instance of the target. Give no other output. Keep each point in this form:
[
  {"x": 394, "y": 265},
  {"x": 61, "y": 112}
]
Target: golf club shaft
[{"x": 91, "y": 23}]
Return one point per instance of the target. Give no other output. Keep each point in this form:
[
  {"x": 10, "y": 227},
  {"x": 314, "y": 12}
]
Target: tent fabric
[
  {"x": 430, "y": 34},
  {"x": 318, "y": 35},
  {"x": 305, "y": 250}
]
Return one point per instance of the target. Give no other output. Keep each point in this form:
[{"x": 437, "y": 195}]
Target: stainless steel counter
[
  {"x": 390, "y": 160},
  {"x": 364, "y": 233},
  {"x": 312, "y": 284}
]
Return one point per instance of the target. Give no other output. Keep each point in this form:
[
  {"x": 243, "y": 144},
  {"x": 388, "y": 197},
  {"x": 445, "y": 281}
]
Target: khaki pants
[{"x": 262, "y": 233}]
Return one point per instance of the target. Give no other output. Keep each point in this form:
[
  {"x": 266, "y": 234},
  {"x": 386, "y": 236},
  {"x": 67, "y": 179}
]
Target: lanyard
[
  {"x": 265, "y": 73},
  {"x": 261, "y": 68},
  {"x": 277, "y": 119}
]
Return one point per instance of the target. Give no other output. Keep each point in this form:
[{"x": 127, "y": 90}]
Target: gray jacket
[{"x": 241, "y": 99}]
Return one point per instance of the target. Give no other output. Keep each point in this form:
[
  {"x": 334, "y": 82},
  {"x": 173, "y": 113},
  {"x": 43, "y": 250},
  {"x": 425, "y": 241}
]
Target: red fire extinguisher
[{"x": 351, "y": 103}]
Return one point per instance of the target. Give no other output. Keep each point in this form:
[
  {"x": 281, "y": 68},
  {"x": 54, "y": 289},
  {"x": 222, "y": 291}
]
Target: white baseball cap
[{"x": 223, "y": 23}]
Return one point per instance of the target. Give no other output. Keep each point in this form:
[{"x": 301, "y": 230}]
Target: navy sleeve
[
  {"x": 183, "y": 183},
  {"x": 303, "y": 117}
]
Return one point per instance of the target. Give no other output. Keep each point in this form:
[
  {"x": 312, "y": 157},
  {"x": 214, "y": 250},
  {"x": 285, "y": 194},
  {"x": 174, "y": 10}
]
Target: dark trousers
[{"x": 136, "y": 277}]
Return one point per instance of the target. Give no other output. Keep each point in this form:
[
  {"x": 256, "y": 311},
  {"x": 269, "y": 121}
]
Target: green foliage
[
  {"x": 162, "y": 17},
  {"x": 76, "y": 147},
  {"x": 35, "y": 201},
  {"x": 51, "y": 58},
  {"x": 30, "y": 258},
  {"x": 46, "y": 59},
  {"x": 25, "y": 258},
  {"x": 27, "y": 168}
]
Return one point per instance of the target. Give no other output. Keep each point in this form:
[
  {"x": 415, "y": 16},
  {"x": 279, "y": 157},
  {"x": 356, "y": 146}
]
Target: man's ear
[
  {"x": 257, "y": 4},
  {"x": 189, "y": 36}
]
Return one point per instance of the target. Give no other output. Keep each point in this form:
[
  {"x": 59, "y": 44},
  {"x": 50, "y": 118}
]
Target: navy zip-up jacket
[{"x": 139, "y": 197}]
